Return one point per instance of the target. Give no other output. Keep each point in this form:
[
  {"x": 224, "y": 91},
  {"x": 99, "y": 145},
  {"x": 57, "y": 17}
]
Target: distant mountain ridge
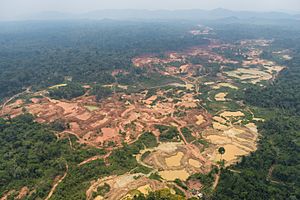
[{"x": 128, "y": 14}]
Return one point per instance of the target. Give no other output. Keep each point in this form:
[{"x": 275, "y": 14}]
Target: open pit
[
  {"x": 124, "y": 186},
  {"x": 175, "y": 160},
  {"x": 171, "y": 175},
  {"x": 99, "y": 124},
  {"x": 238, "y": 140}
]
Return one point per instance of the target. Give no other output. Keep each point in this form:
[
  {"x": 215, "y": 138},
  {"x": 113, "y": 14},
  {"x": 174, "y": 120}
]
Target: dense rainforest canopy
[
  {"x": 40, "y": 55},
  {"x": 272, "y": 172}
]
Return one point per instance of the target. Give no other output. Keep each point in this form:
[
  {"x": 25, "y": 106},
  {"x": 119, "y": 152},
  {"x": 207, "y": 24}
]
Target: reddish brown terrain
[{"x": 125, "y": 117}]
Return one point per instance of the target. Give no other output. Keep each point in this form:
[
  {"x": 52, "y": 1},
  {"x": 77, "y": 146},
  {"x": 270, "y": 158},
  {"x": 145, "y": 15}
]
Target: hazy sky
[{"x": 12, "y": 8}]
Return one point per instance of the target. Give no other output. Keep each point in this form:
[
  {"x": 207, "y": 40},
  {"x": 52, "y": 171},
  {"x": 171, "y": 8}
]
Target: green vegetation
[
  {"x": 167, "y": 133},
  {"x": 178, "y": 191},
  {"x": 221, "y": 151},
  {"x": 32, "y": 156},
  {"x": 70, "y": 91},
  {"x": 206, "y": 180},
  {"x": 141, "y": 169},
  {"x": 272, "y": 172},
  {"x": 179, "y": 113},
  {"x": 203, "y": 143},
  {"x": 187, "y": 133},
  {"x": 283, "y": 93},
  {"x": 181, "y": 184},
  {"x": 101, "y": 92},
  {"x": 157, "y": 80},
  {"x": 121, "y": 161},
  {"x": 145, "y": 155},
  {"x": 44, "y": 54},
  {"x": 161, "y": 128},
  {"x": 150, "y": 93},
  {"x": 59, "y": 125},
  {"x": 155, "y": 176},
  {"x": 148, "y": 139},
  {"x": 89, "y": 53},
  {"x": 102, "y": 190}
]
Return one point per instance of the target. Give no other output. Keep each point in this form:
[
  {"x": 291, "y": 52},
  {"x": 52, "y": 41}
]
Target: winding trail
[
  {"x": 187, "y": 194},
  {"x": 80, "y": 140},
  {"x": 70, "y": 143},
  {"x": 217, "y": 179},
  {"x": 181, "y": 134},
  {"x": 13, "y": 97},
  {"x": 95, "y": 158},
  {"x": 269, "y": 176},
  {"x": 57, "y": 183}
]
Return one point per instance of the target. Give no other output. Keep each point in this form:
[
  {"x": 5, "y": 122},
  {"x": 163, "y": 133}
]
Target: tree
[{"x": 221, "y": 151}]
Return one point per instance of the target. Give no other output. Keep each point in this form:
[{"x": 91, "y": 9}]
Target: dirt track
[
  {"x": 12, "y": 98},
  {"x": 57, "y": 183},
  {"x": 124, "y": 117}
]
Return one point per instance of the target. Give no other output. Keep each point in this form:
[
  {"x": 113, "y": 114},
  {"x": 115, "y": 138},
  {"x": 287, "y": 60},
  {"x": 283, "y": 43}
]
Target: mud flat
[
  {"x": 188, "y": 101},
  {"x": 219, "y": 139},
  {"x": 228, "y": 114},
  {"x": 254, "y": 75},
  {"x": 232, "y": 152},
  {"x": 171, "y": 175},
  {"x": 168, "y": 147},
  {"x": 194, "y": 163},
  {"x": 145, "y": 189},
  {"x": 220, "y": 96},
  {"x": 174, "y": 161},
  {"x": 200, "y": 119},
  {"x": 219, "y": 119},
  {"x": 229, "y": 85},
  {"x": 233, "y": 131},
  {"x": 91, "y": 108},
  {"x": 219, "y": 126},
  {"x": 238, "y": 140}
]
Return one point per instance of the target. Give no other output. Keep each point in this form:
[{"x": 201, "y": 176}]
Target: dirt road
[
  {"x": 57, "y": 183},
  {"x": 217, "y": 179},
  {"x": 13, "y": 97},
  {"x": 95, "y": 158}
]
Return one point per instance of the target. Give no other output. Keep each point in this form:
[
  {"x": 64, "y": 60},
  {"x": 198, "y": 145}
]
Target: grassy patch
[
  {"x": 145, "y": 155},
  {"x": 187, "y": 133},
  {"x": 102, "y": 190},
  {"x": 155, "y": 176},
  {"x": 168, "y": 133}
]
